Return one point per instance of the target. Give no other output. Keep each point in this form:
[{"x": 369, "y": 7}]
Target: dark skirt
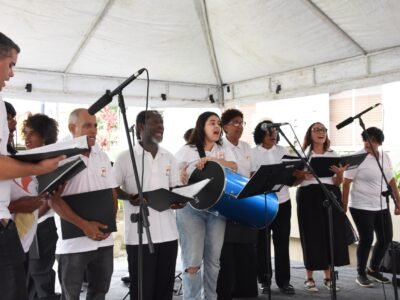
[{"x": 314, "y": 228}]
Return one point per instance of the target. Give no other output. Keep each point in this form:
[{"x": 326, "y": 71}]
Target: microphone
[
  {"x": 107, "y": 97},
  {"x": 99, "y": 104},
  {"x": 351, "y": 119},
  {"x": 267, "y": 126}
]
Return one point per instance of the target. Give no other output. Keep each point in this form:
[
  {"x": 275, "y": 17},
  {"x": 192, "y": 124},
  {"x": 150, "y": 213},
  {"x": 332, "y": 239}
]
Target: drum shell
[
  {"x": 256, "y": 211},
  {"x": 219, "y": 197}
]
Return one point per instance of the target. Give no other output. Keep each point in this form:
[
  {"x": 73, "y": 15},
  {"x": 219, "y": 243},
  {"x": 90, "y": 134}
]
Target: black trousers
[
  {"x": 42, "y": 258},
  {"x": 12, "y": 273},
  {"x": 238, "y": 274},
  {"x": 368, "y": 222},
  {"x": 158, "y": 270},
  {"x": 280, "y": 228}
]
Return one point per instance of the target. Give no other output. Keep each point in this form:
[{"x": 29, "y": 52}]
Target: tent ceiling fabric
[{"x": 203, "y": 43}]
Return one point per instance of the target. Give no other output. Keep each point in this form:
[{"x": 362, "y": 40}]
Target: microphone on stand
[
  {"x": 107, "y": 97},
  {"x": 267, "y": 126},
  {"x": 351, "y": 119}
]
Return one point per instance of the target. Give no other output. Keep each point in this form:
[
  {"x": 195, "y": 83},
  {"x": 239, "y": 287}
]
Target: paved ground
[{"x": 349, "y": 289}]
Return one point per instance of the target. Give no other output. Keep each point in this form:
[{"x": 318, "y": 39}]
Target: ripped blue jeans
[{"x": 201, "y": 237}]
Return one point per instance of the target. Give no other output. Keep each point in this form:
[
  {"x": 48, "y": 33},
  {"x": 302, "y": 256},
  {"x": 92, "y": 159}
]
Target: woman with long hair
[
  {"x": 201, "y": 233},
  {"x": 313, "y": 216}
]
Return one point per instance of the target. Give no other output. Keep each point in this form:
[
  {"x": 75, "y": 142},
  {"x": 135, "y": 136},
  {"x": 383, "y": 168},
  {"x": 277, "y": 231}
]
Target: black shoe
[
  {"x": 265, "y": 288},
  {"x": 377, "y": 276},
  {"x": 287, "y": 289},
  {"x": 362, "y": 280},
  {"x": 126, "y": 279}
]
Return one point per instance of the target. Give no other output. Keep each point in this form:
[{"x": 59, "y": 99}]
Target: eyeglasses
[
  {"x": 320, "y": 130},
  {"x": 237, "y": 123}
]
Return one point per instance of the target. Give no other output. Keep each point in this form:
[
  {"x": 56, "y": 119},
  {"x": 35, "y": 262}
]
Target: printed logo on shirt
[
  {"x": 103, "y": 171},
  {"x": 167, "y": 170},
  {"x": 24, "y": 183}
]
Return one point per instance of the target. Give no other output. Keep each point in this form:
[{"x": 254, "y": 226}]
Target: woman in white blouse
[
  {"x": 313, "y": 216},
  {"x": 238, "y": 274},
  {"x": 201, "y": 233},
  {"x": 369, "y": 209}
]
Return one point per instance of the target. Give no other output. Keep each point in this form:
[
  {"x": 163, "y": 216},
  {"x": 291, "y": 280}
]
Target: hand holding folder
[
  {"x": 322, "y": 165},
  {"x": 97, "y": 207},
  {"x": 162, "y": 199}
]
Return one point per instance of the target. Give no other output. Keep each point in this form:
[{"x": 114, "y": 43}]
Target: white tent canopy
[{"x": 73, "y": 50}]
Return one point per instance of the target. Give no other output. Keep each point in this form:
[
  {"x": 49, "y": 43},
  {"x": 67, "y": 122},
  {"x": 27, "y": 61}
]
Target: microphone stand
[
  {"x": 268, "y": 270},
  {"x": 386, "y": 194},
  {"x": 328, "y": 202},
  {"x": 142, "y": 217}
]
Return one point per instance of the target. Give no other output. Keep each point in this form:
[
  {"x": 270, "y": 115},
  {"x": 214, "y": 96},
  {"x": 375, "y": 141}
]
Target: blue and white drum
[{"x": 219, "y": 196}]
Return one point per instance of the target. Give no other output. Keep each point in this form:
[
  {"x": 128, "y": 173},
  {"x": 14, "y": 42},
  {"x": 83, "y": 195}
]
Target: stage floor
[{"x": 348, "y": 288}]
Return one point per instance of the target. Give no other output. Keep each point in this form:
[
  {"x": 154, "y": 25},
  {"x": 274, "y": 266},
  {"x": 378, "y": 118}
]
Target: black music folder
[
  {"x": 50, "y": 181},
  {"x": 68, "y": 148},
  {"x": 161, "y": 199},
  {"x": 321, "y": 165},
  {"x": 271, "y": 178},
  {"x": 92, "y": 206}
]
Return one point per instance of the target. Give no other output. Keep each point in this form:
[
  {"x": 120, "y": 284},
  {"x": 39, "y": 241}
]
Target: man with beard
[{"x": 160, "y": 171}]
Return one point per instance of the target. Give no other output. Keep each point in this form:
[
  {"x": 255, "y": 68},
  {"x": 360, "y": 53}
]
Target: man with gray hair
[{"x": 92, "y": 252}]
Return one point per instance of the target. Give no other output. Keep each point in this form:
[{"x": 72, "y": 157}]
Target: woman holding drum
[
  {"x": 238, "y": 274},
  {"x": 201, "y": 233}
]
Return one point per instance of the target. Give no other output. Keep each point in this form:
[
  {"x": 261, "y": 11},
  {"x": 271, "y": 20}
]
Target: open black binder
[
  {"x": 68, "y": 148},
  {"x": 161, "y": 199},
  {"x": 321, "y": 165},
  {"x": 92, "y": 206},
  {"x": 50, "y": 181}
]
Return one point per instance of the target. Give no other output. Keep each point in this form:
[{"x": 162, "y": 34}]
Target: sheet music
[
  {"x": 79, "y": 142},
  {"x": 191, "y": 190}
]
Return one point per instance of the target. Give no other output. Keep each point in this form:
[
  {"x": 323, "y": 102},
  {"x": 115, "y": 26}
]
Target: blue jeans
[{"x": 201, "y": 236}]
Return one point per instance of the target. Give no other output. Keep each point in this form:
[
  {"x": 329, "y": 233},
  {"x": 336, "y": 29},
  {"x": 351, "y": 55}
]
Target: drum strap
[{"x": 201, "y": 151}]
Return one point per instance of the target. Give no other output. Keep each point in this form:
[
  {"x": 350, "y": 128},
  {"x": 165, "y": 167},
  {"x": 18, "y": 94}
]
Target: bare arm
[
  {"x": 44, "y": 208},
  {"x": 12, "y": 168},
  {"x": 345, "y": 193},
  {"x": 396, "y": 195},
  {"x": 338, "y": 179},
  {"x": 228, "y": 164},
  {"x": 26, "y": 204}
]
